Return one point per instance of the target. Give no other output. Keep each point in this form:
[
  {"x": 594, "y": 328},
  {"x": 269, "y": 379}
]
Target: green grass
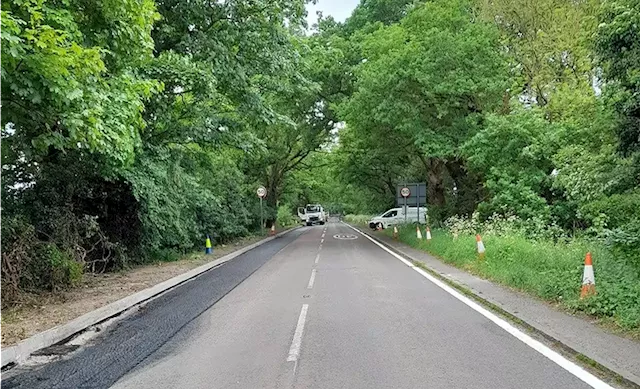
[
  {"x": 357, "y": 219},
  {"x": 548, "y": 270}
]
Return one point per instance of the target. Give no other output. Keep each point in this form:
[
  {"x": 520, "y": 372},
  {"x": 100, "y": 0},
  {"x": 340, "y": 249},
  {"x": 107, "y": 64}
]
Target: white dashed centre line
[
  {"x": 317, "y": 258},
  {"x": 312, "y": 279},
  {"x": 294, "y": 350}
]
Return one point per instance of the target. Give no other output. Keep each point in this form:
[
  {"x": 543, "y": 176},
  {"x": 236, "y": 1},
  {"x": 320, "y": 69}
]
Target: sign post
[
  {"x": 405, "y": 192},
  {"x": 261, "y": 192},
  {"x": 412, "y": 194},
  {"x": 418, "y": 203}
]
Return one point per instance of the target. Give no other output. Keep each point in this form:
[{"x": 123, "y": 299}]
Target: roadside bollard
[{"x": 208, "y": 249}]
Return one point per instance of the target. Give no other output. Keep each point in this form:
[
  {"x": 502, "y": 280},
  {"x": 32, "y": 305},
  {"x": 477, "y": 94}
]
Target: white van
[
  {"x": 397, "y": 216},
  {"x": 312, "y": 214}
]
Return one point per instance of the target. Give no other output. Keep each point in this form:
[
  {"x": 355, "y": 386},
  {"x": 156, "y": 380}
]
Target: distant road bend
[{"x": 320, "y": 307}]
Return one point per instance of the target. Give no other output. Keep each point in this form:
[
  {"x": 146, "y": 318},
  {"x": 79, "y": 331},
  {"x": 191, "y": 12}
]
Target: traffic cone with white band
[
  {"x": 428, "y": 234},
  {"x": 588, "y": 279},
  {"x": 480, "y": 246},
  {"x": 418, "y": 233},
  {"x": 395, "y": 232}
]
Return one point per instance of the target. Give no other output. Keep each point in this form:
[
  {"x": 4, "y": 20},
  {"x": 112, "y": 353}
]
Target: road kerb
[{"x": 20, "y": 352}]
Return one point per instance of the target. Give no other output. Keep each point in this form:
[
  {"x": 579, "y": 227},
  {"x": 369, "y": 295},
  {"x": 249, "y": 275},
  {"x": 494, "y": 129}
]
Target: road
[{"x": 322, "y": 307}]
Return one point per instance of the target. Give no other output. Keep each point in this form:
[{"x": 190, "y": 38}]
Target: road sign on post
[
  {"x": 411, "y": 194},
  {"x": 262, "y": 193},
  {"x": 405, "y": 192}
]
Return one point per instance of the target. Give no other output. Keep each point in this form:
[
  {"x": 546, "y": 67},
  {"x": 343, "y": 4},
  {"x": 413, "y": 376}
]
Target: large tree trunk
[
  {"x": 435, "y": 182},
  {"x": 466, "y": 188},
  {"x": 274, "y": 179}
]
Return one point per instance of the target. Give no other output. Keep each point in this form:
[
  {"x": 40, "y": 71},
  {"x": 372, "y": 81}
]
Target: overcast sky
[{"x": 339, "y": 9}]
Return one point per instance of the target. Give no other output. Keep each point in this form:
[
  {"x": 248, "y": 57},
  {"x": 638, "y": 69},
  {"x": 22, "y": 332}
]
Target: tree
[
  {"x": 548, "y": 43},
  {"x": 300, "y": 129},
  {"x": 428, "y": 80},
  {"x": 59, "y": 93}
]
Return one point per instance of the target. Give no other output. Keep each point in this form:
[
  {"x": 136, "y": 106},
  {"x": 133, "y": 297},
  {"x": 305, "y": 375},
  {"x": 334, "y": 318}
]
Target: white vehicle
[
  {"x": 312, "y": 214},
  {"x": 396, "y": 216}
]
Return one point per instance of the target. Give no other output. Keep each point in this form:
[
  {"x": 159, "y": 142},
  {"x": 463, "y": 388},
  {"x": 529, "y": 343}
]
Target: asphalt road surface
[{"x": 321, "y": 307}]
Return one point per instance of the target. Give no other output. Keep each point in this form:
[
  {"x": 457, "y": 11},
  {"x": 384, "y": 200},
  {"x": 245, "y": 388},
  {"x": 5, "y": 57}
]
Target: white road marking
[
  {"x": 322, "y": 240},
  {"x": 312, "y": 279},
  {"x": 561, "y": 361},
  {"x": 323, "y": 234},
  {"x": 294, "y": 350},
  {"x": 317, "y": 258}
]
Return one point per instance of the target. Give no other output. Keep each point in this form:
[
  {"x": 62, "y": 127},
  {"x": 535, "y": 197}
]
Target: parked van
[{"x": 397, "y": 216}]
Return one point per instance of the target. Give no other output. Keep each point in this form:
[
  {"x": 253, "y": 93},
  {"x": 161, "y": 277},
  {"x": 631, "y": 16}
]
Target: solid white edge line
[
  {"x": 561, "y": 361},
  {"x": 294, "y": 350},
  {"x": 312, "y": 279}
]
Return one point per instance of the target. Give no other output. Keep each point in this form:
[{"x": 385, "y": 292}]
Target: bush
[
  {"x": 284, "y": 217},
  {"x": 18, "y": 246},
  {"x": 165, "y": 255},
  {"x": 30, "y": 265},
  {"x": 52, "y": 255},
  {"x": 60, "y": 267},
  {"x": 357, "y": 219},
  {"x": 616, "y": 210},
  {"x": 625, "y": 242}
]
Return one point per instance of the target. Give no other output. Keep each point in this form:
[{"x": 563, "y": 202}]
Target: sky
[{"x": 339, "y": 9}]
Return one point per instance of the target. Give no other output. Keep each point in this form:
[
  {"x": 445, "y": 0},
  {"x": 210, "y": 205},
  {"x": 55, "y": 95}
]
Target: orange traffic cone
[
  {"x": 480, "y": 246},
  {"x": 395, "y": 232},
  {"x": 418, "y": 233},
  {"x": 273, "y": 229},
  {"x": 588, "y": 279},
  {"x": 428, "y": 234},
  {"x": 379, "y": 227}
]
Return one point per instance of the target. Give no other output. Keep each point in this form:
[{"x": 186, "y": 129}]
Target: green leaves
[
  {"x": 618, "y": 52},
  {"x": 59, "y": 94},
  {"x": 426, "y": 75}
]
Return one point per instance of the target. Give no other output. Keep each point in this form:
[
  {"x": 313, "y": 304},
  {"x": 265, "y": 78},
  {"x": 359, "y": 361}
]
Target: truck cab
[{"x": 312, "y": 214}]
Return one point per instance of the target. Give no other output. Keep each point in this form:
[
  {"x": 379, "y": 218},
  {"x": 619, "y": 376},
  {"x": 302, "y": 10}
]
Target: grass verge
[{"x": 548, "y": 270}]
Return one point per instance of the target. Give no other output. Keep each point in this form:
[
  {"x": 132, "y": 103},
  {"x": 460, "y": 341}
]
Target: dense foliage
[
  {"x": 516, "y": 108},
  {"x": 133, "y": 128}
]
